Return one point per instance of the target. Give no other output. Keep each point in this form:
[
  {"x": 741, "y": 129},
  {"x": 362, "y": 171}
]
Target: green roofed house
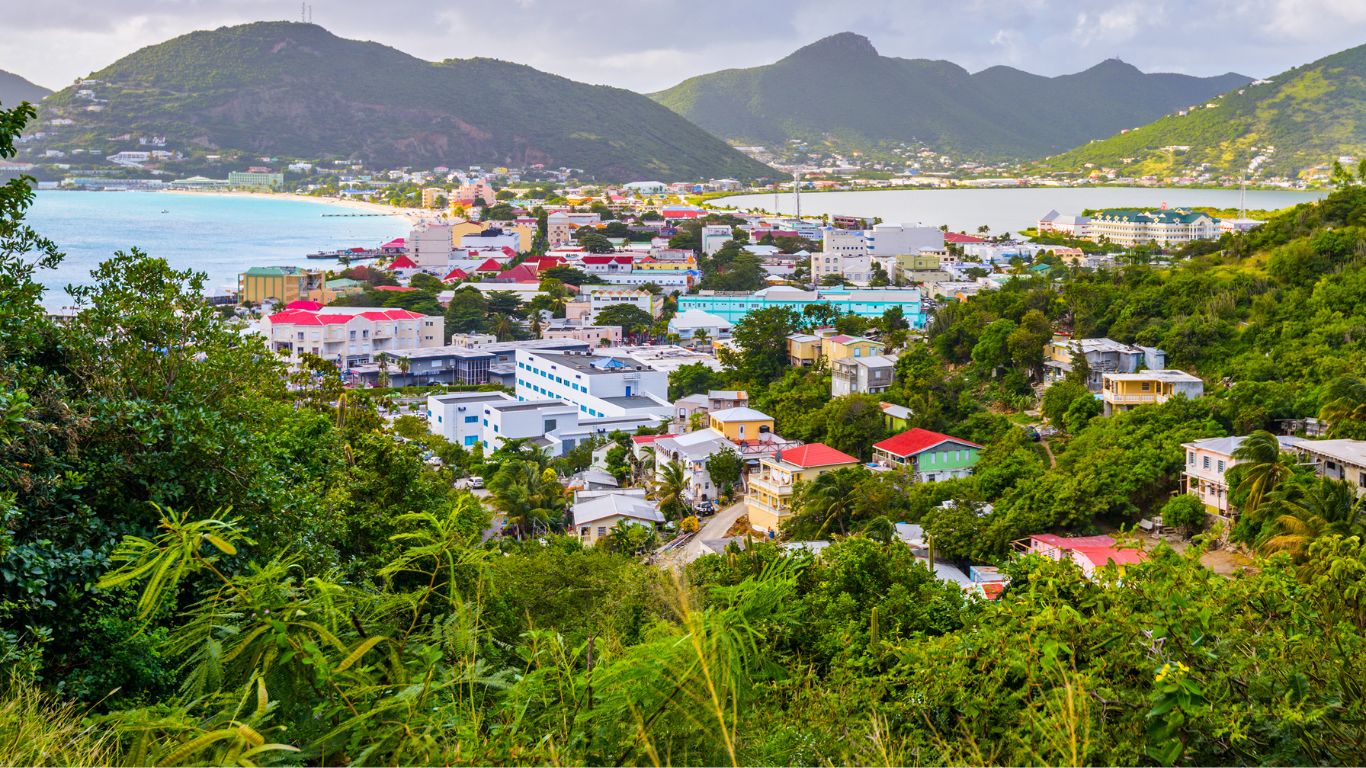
[
  {"x": 345, "y": 286},
  {"x": 1133, "y": 226},
  {"x": 283, "y": 285}
]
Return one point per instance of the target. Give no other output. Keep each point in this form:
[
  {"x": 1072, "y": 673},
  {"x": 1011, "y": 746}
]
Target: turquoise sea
[{"x": 220, "y": 235}]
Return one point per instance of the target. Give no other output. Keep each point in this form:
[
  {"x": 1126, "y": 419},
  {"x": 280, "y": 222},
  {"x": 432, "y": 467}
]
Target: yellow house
[
  {"x": 740, "y": 424},
  {"x": 283, "y": 285},
  {"x": 463, "y": 227},
  {"x": 917, "y": 262},
  {"x": 1126, "y": 391},
  {"x": 839, "y": 347},
  {"x": 769, "y": 501},
  {"x": 649, "y": 263},
  {"x": 803, "y": 349},
  {"x": 430, "y": 196}
]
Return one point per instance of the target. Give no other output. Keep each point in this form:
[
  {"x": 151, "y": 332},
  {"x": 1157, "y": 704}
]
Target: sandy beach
[{"x": 412, "y": 214}]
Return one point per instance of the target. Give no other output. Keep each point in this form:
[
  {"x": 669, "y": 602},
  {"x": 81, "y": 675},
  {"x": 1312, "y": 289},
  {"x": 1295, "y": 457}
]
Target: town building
[
  {"x": 433, "y": 197},
  {"x": 732, "y": 306},
  {"x": 714, "y": 237},
  {"x": 596, "y": 385},
  {"x": 1072, "y": 226},
  {"x": 692, "y": 450},
  {"x": 283, "y": 285},
  {"x": 686, "y": 326},
  {"x": 429, "y": 245},
  {"x": 1102, "y": 356},
  {"x": 1343, "y": 460},
  {"x": 1126, "y": 391},
  {"x": 1089, "y": 553},
  {"x": 262, "y": 181},
  {"x": 601, "y": 297},
  {"x": 349, "y": 336},
  {"x": 593, "y": 335},
  {"x": 456, "y": 416},
  {"x": 594, "y": 518},
  {"x": 663, "y": 358},
  {"x": 769, "y": 501},
  {"x": 862, "y": 375},
  {"x": 551, "y": 425},
  {"x": 931, "y": 455},
  {"x": 1207, "y": 464},
  {"x": 471, "y": 359},
  {"x": 1129, "y": 227}
]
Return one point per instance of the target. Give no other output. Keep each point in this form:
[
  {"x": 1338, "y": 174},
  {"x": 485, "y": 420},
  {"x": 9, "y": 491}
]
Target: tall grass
[{"x": 38, "y": 729}]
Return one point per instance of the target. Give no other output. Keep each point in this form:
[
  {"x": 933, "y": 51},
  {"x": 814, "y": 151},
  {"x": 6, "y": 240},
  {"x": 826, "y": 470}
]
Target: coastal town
[{"x": 781, "y": 384}]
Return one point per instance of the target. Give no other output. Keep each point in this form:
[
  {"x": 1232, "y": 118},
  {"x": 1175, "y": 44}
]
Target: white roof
[
  {"x": 696, "y": 318},
  {"x": 740, "y": 414},
  {"x": 1167, "y": 375},
  {"x": 1349, "y": 451},
  {"x": 616, "y": 505}
]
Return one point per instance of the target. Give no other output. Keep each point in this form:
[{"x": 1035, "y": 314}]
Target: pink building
[
  {"x": 1088, "y": 552},
  {"x": 350, "y": 335}
]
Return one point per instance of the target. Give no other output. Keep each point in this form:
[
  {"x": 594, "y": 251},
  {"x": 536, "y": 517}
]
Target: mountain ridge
[
  {"x": 999, "y": 112},
  {"x": 14, "y": 89},
  {"x": 1327, "y": 100},
  {"x": 295, "y": 89}
]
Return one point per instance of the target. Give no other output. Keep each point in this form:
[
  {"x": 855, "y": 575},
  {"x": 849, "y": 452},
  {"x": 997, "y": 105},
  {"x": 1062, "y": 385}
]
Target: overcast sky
[{"x": 648, "y": 45}]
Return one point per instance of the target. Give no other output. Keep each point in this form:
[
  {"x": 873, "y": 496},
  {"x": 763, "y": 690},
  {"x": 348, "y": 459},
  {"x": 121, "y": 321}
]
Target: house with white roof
[{"x": 597, "y": 516}]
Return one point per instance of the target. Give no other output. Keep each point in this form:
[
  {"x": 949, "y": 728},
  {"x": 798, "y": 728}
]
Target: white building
[
  {"x": 692, "y": 450},
  {"x": 714, "y": 236},
  {"x": 595, "y": 517},
  {"x": 595, "y": 385},
  {"x": 351, "y": 335},
  {"x": 457, "y": 416},
  {"x": 843, "y": 242},
  {"x": 663, "y": 358},
  {"x": 600, "y": 298},
  {"x": 862, "y": 375},
  {"x": 429, "y": 244},
  {"x": 686, "y": 324},
  {"x": 552, "y": 425},
  {"x": 508, "y": 239}
]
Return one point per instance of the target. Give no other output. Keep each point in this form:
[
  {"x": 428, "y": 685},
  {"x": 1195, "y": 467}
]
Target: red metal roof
[
  {"x": 647, "y": 439},
  {"x": 814, "y": 455},
  {"x": 310, "y": 306},
  {"x": 959, "y": 237},
  {"x": 403, "y": 262},
  {"x": 602, "y": 259},
  {"x": 522, "y": 273},
  {"x": 455, "y": 274},
  {"x": 917, "y": 440},
  {"x": 395, "y": 288},
  {"x": 489, "y": 265}
]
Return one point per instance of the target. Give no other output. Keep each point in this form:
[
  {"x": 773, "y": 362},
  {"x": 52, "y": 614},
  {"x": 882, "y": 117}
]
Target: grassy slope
[{"x": 1310, "y": 114}]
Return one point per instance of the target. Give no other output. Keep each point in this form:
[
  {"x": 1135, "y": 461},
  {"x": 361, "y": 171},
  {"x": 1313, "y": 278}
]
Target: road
[{"x": 715, "y": 528}]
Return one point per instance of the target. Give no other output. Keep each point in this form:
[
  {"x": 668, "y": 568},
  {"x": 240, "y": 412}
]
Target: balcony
[{"x": 1148, "y": 397}]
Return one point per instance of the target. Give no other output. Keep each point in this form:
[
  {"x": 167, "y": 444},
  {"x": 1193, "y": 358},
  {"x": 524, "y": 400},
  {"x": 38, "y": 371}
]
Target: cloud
[{"x": 648, "y": 45}]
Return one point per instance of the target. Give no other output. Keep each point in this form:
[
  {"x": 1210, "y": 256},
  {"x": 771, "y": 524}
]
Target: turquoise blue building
[{"x": 864, "y": 302}]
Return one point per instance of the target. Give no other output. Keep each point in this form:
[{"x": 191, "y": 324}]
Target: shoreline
[{"x": 411, "y": 214}]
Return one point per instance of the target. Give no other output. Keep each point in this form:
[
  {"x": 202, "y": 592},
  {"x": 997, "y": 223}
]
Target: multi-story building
[
  {"x": 1102, "y": 356},
  {"x": 714, "y": 236},
  {"x": 456, "y": 416},
  {"x": 864, "y": 302},
  {"x": 1130, "y": 227},
  {"x": 469, "y": 359},
  {"x": 593, "y": 335},
  {"x": 803, "y": 350},
  {"x": 350, "y": 336},
  {"x": 862, "y": 375},
  {"x": 552, "y": 425},
  {"x": 889, "y": 244},
  {"x": 933, "y": 456},
  {"x": 283, "y": 285},
  {"x": 1126, "y": 391},
  {"x": 429, "y": 244},
  {"x": 601, "y": 297},
  {"x": 595, "y": 385},
  {"x": 769, "y": 501},
  {"x": 467, "y": 194},
  {"x": 1075, "y": 226},
  {"x": 1208, "y": 461},
  {"x": 605, "y": 263},
  {"x": 825, "y": 264},
  {"x": 692, "y": 450},
  {"x": 839, "y": 346},
  {"x": 843, "y": 243},
  {"x": 256, "y": 180},
  {"x": 433, "y": 197}
]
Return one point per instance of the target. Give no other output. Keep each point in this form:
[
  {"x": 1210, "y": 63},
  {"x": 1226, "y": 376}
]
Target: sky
[{"x": 648, "y": 45}]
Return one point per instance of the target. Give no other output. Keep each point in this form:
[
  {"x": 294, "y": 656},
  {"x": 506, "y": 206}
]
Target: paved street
[{"x": 715, "y": 528}]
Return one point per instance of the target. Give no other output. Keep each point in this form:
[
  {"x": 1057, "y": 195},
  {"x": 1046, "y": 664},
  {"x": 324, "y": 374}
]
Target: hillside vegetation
[
  {"x": 205, "y": 562},
  {"x": 840, "y": 90},
  {"x": 296, "y": 90},
  {"x": 1305, "y": 117}
]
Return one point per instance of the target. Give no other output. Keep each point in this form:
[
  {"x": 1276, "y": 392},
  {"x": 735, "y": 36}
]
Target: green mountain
[
  {"x": 1305, "y": 117},
  {"x": 296, "y": 90},
  {"x": 14, "y": 89},
  {"x": 840, "y": 90}
]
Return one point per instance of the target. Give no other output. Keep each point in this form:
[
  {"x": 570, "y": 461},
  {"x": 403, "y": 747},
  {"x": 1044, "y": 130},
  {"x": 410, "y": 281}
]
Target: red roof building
[
  {"x": 395, "y": 288},
  {"x": 489, "y": 267},
  {"x": 814, "y": 455},
  {"x": 522, "y": 273},
  {"x": 403, "y": 262},
  {"x": 932, "y": 456},
  {"x": 960, "y": 238},
  {"x": 1087, "y": 552},
  {"x": 308, "y": 306},
  {"x": 454, "y": 275},
  {"x": 916, "y": 441}
]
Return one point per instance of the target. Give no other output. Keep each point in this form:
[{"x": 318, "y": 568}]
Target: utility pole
[{"x": 797, "y": 192}]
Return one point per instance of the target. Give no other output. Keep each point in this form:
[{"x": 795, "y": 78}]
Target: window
[
  {"x": 1206, "y": 463},
  {"x": 602, "y": 530},
  {"x": 471, "y": 419},
  {"x": 469, "y": 440},
  {"x": 1221, "y": 466},
  {"x": 1190, "y": 458}
]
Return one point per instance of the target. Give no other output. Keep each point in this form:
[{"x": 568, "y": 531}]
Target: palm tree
[
  {"x": 528, "y": 496},
  {"x": 383, "y": 378},
  {"x": 669, "y": 485},
  {"x": 830, "y": 499},
  {"x": 1344, "y": 406},
  {"x": 503, "y": 327},
  {"x": 700, "y": 336},
  {"x": 1326, "y": 507},
  {"x": 1261, "y": 468}
]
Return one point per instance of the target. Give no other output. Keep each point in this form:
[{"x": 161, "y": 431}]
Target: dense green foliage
[
  {"x": 1000, "y": 112},
  {"x": 283, "y": 88},
  {"x": 208, "y": 559},
  {"x": 1311, "y": 114}
]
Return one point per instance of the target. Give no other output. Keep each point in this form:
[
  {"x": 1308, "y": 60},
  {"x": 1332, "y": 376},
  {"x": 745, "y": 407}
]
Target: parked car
[
  {"x": 476, "y": 482},
  {"x": 704, "y": 507}
]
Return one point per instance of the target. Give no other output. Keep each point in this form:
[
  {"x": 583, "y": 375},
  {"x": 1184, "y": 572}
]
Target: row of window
[
  {"x": 1205, "y": 463},
  {"x": 550, "y": 376}
]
